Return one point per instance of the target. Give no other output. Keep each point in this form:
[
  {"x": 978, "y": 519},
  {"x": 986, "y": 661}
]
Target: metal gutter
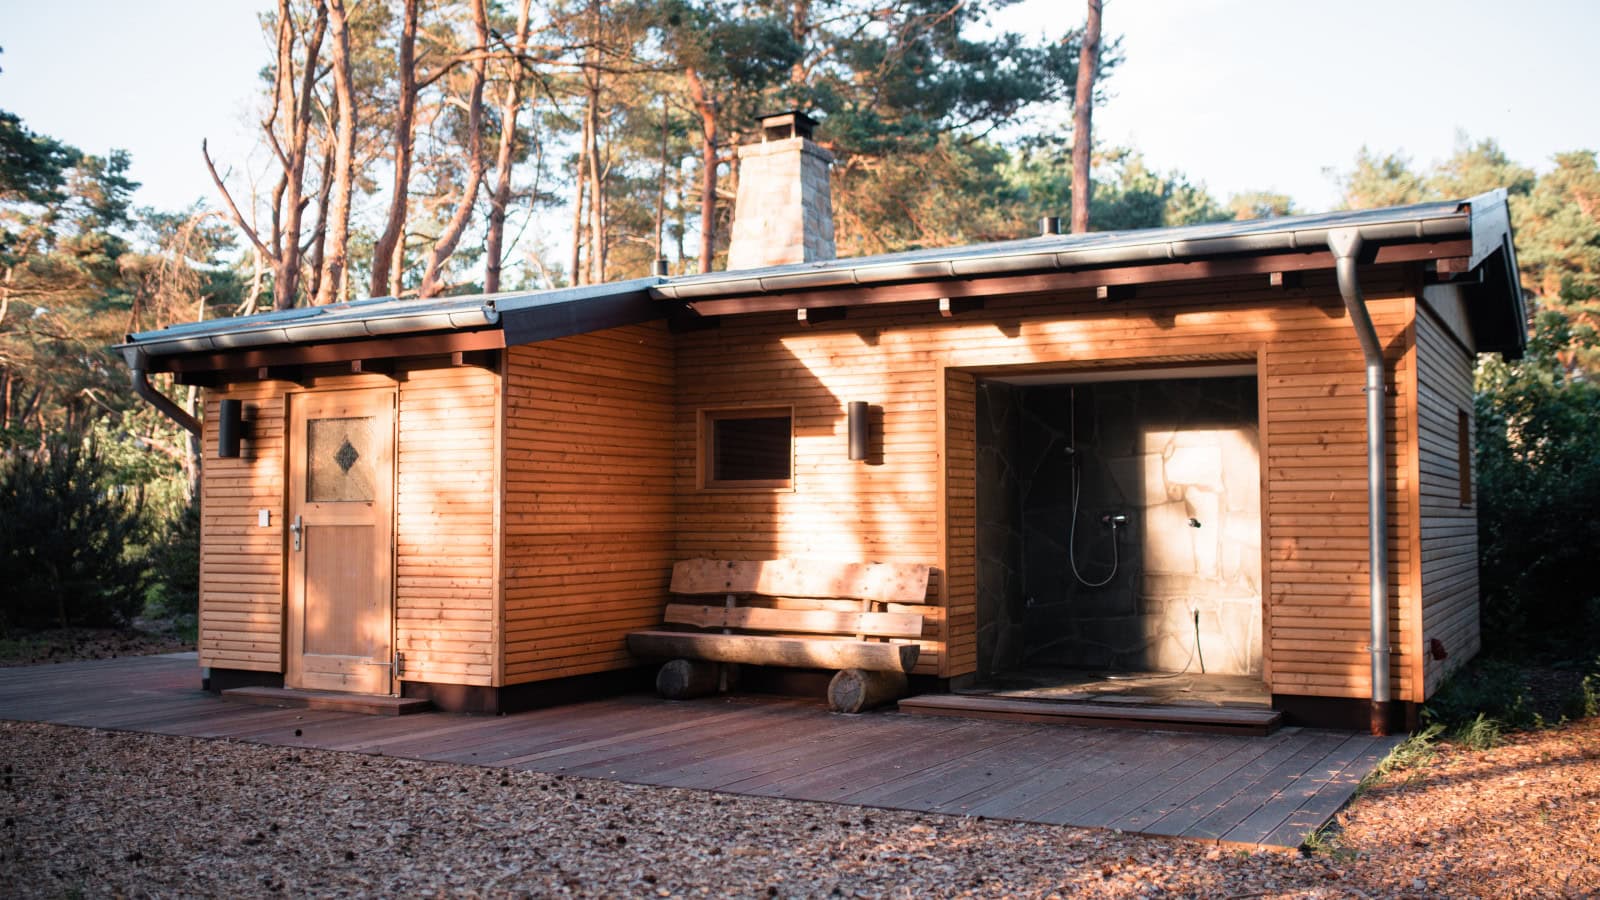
[
  {"x": 316, "y": 324},
  {"x": 1346, "y": 246},
  {"x": 1017, "y": 260}
]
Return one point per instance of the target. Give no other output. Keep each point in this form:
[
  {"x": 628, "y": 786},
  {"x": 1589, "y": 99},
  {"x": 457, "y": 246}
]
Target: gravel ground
[
  {"x": 107, "y": 813},
  {"x": 59, "y": 645}
]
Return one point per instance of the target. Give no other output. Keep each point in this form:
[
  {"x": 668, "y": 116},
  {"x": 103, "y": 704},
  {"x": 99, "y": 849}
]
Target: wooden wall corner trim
[{"x": 497, "y": 639}]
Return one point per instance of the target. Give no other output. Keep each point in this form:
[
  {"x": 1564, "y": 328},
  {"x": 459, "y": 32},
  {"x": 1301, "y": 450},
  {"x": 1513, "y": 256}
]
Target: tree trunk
[
  {"x": 597, "y": 193},
  {"x": 285, "y": 260},
  {"x": 661, "y": 184},
  {"x": 680, "y": 215},
  {"x": 500, "y": 198},
  {"x": 331, "y": 289},
  {"x": 192, "y": 455},
  {"x": 591, "y": 132},
  {"x": 319, "y": 237},
  {"x": 708, "y": 156},
  {"x": 251, "y": 301},
  {"x": 1083, "y": 105},
  {"x": 799, "y": 28},
  {"x": 387, "y": 250},
  {"x": 282, "y": 249},
  {"x": 432, "y": 277},
  {"x": 286, "y": 284},
  {"x": 581, "y": 186}
]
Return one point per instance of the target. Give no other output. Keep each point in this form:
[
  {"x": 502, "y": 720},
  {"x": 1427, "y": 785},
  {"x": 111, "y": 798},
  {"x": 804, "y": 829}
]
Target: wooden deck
[{"x": 1250, "y": 791}]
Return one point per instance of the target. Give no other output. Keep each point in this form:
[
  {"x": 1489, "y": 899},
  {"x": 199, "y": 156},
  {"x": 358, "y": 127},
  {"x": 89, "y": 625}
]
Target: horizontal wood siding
[
  {"x": 889, "y": 508},
  {"x": 1448, "y": 532},
  {"x": 1316, "y": 517},
  {"x": 444, "y": 518},
  {"x": 241, "y": 563},
  {"x": 446, "y": 619},
  {"x": 588, "y": 499}
]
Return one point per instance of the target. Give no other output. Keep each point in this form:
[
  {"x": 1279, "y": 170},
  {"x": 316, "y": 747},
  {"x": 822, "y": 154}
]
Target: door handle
[{"x": 295, "y": 529}]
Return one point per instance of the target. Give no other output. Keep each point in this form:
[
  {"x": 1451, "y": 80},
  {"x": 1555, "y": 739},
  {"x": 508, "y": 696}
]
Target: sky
[{"x": 1240, "y": 95}]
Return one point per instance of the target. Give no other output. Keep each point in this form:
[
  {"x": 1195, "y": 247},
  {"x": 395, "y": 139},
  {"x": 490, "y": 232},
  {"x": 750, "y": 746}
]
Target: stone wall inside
[
  {"x": 1180, "y": 459},
  {"x": 1000, "y": 585}
]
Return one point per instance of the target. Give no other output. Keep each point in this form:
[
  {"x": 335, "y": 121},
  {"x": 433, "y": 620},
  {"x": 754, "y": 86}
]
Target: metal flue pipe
[{"x": 1346, "y": 246}]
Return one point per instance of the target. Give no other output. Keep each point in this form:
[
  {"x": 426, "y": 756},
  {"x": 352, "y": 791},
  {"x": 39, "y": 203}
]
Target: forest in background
[{"x": 417, "y": 149}]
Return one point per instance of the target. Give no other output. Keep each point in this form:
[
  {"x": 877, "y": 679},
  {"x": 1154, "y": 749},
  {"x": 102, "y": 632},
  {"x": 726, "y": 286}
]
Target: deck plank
[
  {"x": 1251, "y": 797},
  {"x": 1023, "y": 765},
  {"x": 1103, "y": 805},
  {"x": 1269, "y": 791},
  {"x": 1052, "y": 785},
  {"x": 1331, "y": 795},
  {"x": 1186, "y": 790},
  {"x": 807, "y": 745},
  {"x": 1301, "y": 786},
  {"x": 979, "y": 773}
]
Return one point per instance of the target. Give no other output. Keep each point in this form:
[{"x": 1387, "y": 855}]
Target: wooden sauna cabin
[{"x": 475, "y": 499}]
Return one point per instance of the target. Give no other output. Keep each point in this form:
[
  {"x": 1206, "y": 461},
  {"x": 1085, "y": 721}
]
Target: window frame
[{"x": 705, "y": 461}]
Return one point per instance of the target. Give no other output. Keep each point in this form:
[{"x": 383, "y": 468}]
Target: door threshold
[
  {"x": 334, "y": 701},
  {"x": 1154, "y": 716}
]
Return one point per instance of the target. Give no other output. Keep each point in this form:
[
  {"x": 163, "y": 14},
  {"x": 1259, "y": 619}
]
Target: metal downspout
[
  {"x": 143, "y": 387},
  {"x": 1346, "y": 246}
]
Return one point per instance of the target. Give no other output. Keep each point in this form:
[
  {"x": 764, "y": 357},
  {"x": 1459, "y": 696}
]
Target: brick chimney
[{"x": 784, "y": 210}]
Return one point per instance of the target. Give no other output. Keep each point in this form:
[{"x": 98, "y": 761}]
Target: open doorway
[{"x": 1119, "y": 535}]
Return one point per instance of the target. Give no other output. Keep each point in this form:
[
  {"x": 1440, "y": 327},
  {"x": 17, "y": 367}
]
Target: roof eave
[{"x": 1010, "y": 263}]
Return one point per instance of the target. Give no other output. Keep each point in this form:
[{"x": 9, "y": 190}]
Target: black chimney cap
[{"x": 789, "y": 123}]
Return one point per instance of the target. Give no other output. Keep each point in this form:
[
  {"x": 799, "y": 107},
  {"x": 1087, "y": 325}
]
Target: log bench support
[
  {"x": 686, "y": 679},
  {"x": 849, "y": 617},
  {"x": 857, "y": 690}
]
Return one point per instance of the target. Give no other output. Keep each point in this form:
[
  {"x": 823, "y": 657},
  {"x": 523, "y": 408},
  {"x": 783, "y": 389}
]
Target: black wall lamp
[
  {"x": 232, "y": 429},
  {"x": 859, "y": 428}
]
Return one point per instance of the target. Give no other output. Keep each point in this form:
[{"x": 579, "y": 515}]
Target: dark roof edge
[
  {"x": 1494, "y": 258},
  {"x": 1005, "y": 262},
  {"x": 529, "y": 318},
  {"x": 540, "y": 315},
  {"x": 1484, "y": 218},
  {"x": 304, "y": 330}
]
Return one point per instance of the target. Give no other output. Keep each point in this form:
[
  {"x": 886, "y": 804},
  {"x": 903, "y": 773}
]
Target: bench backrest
[
  {"x": 882, "y": 582},
  {"x": 866, "y": 583}
]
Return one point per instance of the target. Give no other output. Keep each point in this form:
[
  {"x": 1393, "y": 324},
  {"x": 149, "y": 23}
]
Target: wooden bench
[{"x": 856, "y": 618}]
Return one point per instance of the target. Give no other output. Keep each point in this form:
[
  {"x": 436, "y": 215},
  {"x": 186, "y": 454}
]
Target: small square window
[{"x": 746, "y": 448}]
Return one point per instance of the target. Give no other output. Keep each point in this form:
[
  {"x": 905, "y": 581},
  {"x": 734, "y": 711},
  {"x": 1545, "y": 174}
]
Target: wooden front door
[{"x": 341, "y": 541}]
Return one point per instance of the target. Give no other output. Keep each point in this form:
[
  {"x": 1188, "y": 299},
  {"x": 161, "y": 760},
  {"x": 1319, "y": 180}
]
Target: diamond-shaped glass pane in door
[{"x": 339, "y": 460}]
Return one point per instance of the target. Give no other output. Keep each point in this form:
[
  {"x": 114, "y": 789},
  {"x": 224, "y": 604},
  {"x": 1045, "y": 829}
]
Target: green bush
[
  {"x": 71, "y": 540},
  {"x": 1538, "y": 467},
  {"x": 175, "y": 553},
  {"x": 1585, "y": 700},
  {"x": 1490, "y": 688}
]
